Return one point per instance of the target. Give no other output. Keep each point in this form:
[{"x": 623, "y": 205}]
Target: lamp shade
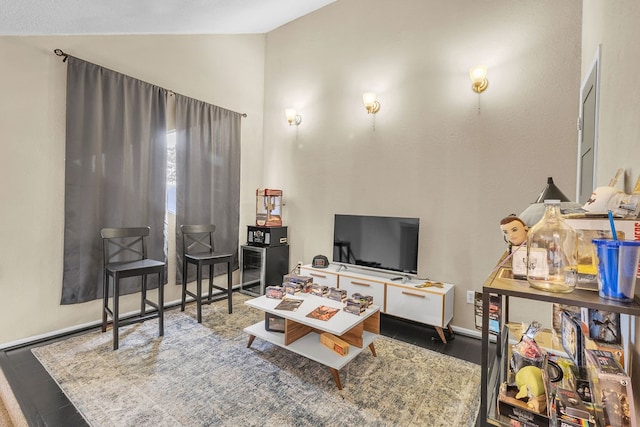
[
  {"x": 368, "y": 99},
  {"x": 478, "y": 74},
  {"x": 550, "y": 192},
  {"x": 290, "y": 113}
]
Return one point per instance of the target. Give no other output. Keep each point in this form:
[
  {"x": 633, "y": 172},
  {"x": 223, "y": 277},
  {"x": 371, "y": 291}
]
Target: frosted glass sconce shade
[
  {"x": 292, "y": 116},
  {"x": 478, "y": 75},
  {"x": 370, "y": 103}
]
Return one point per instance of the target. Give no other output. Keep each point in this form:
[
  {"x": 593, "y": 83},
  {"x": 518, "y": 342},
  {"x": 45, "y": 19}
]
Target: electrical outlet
[{"x": 470, "y": 297}]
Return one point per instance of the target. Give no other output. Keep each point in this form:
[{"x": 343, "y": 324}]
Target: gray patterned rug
[{"x": 203, "y": 375}]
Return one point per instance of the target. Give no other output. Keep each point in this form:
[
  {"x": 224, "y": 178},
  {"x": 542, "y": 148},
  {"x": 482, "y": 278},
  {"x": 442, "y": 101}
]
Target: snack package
[{"x": 527, "y": 352}]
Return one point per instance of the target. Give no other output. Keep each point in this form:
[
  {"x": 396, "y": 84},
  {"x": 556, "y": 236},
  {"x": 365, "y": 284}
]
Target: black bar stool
[
  {"x": 198, "y": 249},
  {"x": 125, "y": 255}
]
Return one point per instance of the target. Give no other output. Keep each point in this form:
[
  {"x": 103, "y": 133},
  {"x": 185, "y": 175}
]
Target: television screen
[{"x": 381, "y": 242}]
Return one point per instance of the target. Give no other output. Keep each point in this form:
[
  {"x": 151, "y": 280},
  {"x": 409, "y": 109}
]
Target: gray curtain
[
  {"x": 116, "y": 154},
  {"x": 207, "y": 174}
]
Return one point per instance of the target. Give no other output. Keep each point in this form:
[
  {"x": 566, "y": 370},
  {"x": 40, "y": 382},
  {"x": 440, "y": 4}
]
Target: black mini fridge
[{"x": 261, "y": 267}]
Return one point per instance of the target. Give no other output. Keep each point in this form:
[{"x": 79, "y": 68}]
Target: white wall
[
  {"x": 432, "y": 155},
  {"x": 614, "y": 26},
  {"x": 224, "y": 70}
]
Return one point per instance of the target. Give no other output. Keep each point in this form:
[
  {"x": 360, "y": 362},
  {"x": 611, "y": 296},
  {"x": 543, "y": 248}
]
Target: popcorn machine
[{"x": 268, "y": 207}]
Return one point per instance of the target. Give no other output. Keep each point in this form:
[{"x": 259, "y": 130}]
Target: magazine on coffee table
[
  {"x": 289, "y": 304},
  {"x": 323, "y": 312}
]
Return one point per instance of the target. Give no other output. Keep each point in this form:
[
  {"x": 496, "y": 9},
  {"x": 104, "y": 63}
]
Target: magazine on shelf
[
  {"x": 289, "y": 304},
  {"x": 323, "y": 312}
]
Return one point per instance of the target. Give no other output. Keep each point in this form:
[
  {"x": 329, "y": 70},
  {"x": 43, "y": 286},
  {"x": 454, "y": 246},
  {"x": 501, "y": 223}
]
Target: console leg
[{"x": 441, "y": 334}]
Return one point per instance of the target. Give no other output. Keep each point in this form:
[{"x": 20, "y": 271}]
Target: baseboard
[
  {"x": 168, "y": 305},
  {"x": 472, "y": 333},
  {"x": 60, "y": 333}
]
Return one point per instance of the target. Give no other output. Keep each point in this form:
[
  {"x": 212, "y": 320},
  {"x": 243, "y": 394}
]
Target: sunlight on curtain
[{"x": 207, "y": 173}]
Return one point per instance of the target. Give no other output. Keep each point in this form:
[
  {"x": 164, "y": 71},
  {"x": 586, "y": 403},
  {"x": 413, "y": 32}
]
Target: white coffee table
[{"x": 302, "y": 333}]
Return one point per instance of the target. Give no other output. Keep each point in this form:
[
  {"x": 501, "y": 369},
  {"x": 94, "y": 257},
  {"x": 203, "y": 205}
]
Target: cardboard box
[
  {"x": 616, "y": 350},
  {"x": 367, "y": 300},
  {"x": 602, "y": 326},
  {"x": 275, "y": 292},
  {"x": 292, "y": 288},
  {"x": 573, "y": 338},
  {"x": 305, "y": 281},
  {"x": 495, "y": 311},
  {"x": 337, "y": 294},
  {"x": 570, "y": 410},
  {"x": 334, "y": 343},
  {"x": 519, "y": 411},
  {"x": 355, "y": 306},
  {"x": 611, "y": 389},
  {"x": 319, "y": 290}
]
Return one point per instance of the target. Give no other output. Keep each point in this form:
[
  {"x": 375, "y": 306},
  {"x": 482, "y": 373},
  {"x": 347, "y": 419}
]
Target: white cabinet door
[
  {"x": 432, "y": 306},
  {"x": 365, "y": 286},
  {"x": 321, "y": 276}
]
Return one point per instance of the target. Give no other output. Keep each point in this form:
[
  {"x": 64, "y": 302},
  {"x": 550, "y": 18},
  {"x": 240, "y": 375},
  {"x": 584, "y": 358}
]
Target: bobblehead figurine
[{"x": 514, "y": 230}]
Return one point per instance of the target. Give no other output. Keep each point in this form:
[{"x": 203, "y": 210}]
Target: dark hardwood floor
[{"x": 44, "y": 404}]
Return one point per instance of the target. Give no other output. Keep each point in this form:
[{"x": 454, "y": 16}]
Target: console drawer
[
  {"x": 321, "y": 277},
  {"x": 433, "y": 307},
  {"x": 354, "y": 284}
]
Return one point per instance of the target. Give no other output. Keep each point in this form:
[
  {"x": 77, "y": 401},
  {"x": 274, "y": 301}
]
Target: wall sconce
[
  {"x": 478, "y": 75},
  {"x": 370, "y": 103},
  {"x": 292, "y": 117}
]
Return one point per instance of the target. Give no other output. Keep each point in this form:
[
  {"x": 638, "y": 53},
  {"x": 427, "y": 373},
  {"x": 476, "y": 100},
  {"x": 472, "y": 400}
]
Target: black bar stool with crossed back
[
  {"x": 198, "y": 249},
  {"x": 125, "y": 255}
]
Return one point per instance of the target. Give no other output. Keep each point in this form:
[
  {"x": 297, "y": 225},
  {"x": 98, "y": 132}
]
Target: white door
[{"x": 588, "y": 135}]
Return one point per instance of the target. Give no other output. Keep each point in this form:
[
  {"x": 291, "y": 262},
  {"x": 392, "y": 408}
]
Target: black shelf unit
[{"x": 502, "y": 283}]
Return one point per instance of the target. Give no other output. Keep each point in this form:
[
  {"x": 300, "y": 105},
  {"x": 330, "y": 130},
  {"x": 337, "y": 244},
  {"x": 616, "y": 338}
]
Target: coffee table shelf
[{"x": 310, "y": 347}]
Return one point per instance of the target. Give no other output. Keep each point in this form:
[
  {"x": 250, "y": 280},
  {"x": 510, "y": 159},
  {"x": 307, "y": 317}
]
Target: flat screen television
[{"x": 380, "y": 242}]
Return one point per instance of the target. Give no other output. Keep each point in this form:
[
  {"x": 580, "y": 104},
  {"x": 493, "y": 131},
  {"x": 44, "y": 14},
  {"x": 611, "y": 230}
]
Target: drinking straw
[{"x": 613, "y": 226}]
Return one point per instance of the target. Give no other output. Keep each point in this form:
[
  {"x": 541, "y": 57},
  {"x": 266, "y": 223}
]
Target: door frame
[{"x": 595, "y": 65}]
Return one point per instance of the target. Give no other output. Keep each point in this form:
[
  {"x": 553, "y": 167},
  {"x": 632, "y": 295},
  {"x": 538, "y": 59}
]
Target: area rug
[{"x": 204, "y": 375}]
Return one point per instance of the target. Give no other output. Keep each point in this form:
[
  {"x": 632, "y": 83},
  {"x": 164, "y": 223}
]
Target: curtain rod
[{"x": 64, "y": 56}]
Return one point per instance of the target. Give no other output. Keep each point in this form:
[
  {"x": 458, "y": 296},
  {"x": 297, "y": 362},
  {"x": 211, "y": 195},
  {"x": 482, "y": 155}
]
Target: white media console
[{"x": 395, "y": 294}]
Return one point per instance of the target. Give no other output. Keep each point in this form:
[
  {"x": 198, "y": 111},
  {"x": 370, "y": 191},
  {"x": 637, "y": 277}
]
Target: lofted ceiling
[{"x": 71, "y": 17}]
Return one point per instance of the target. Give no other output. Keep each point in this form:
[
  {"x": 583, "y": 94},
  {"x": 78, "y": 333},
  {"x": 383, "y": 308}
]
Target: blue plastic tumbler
[{"x": 617, "y": 268}]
